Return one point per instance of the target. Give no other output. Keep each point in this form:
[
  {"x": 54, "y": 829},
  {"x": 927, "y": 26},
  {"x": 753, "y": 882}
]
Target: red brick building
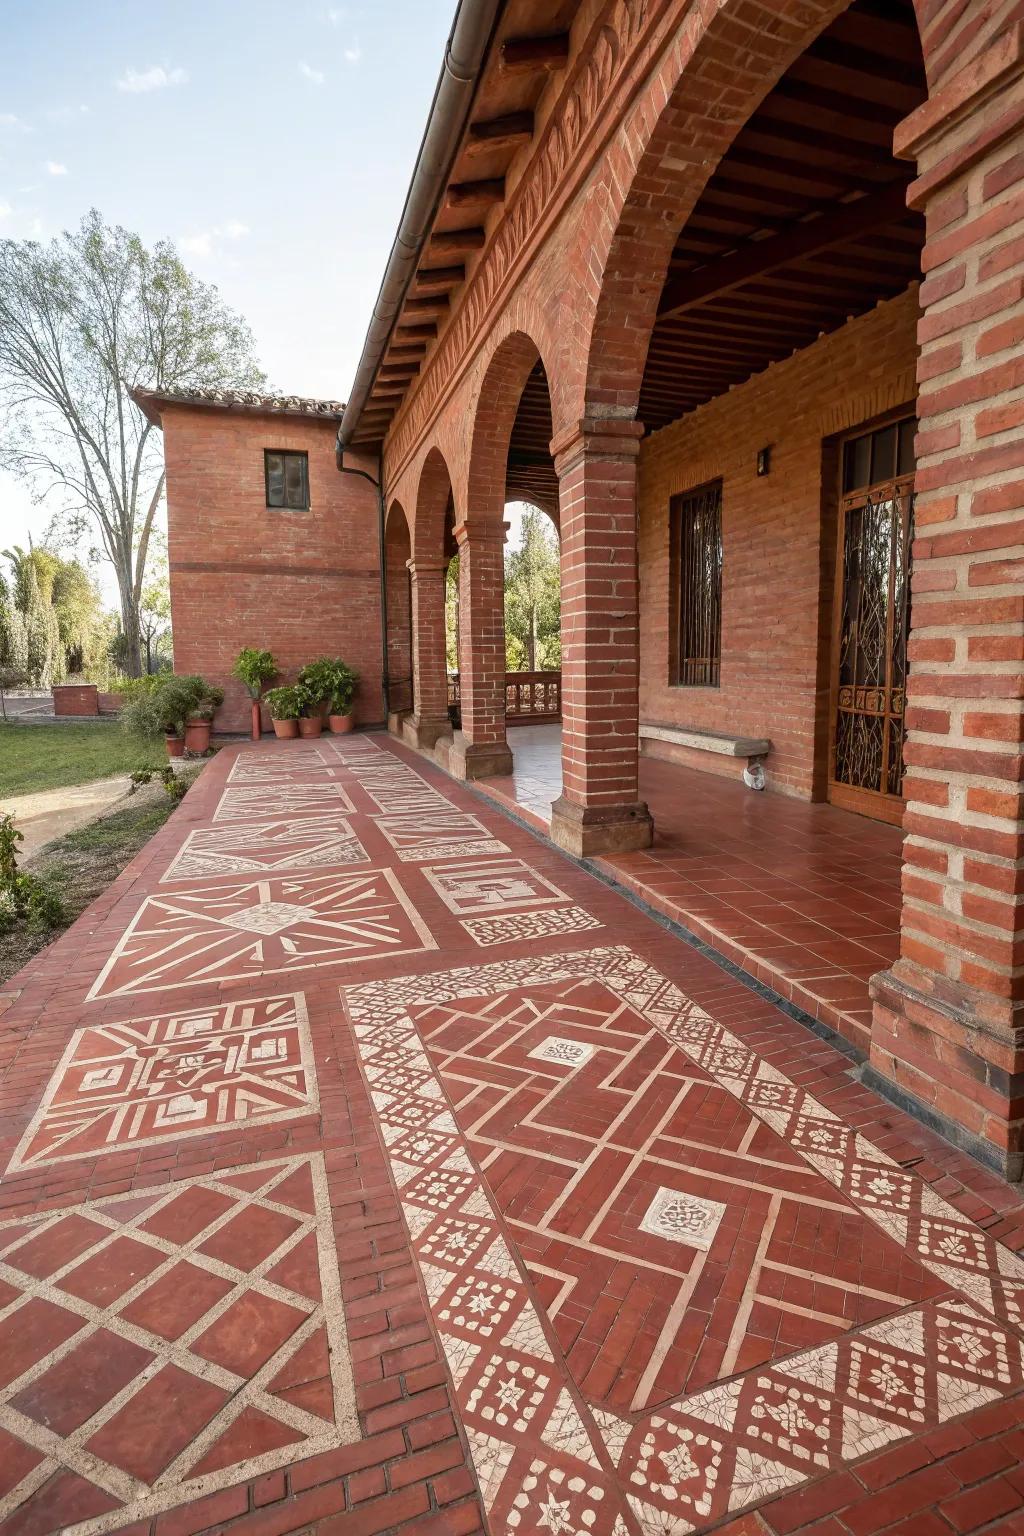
[
  {"x": 735, "y": 291},
  {"x": 292, "y": 567}
]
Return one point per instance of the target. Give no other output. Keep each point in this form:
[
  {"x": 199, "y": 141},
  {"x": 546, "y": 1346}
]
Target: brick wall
[
  {"x": 75, "y": 699},
  {"x": 302, "y": 584},
  {"x": 778, "y": 549}
]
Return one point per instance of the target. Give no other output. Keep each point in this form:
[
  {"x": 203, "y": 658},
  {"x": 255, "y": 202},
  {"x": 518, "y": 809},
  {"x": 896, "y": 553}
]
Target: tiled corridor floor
[
  {"x": 806, "y": 898},
  {"x": 370, "y": 1167}
]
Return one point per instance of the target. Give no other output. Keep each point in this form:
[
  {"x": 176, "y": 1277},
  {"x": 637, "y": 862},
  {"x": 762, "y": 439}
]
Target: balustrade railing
[{"x": 530, "y": 697}]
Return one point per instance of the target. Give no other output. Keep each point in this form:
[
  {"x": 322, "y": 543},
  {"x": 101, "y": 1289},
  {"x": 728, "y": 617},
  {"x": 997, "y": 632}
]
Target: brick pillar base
[
  {"x": 429, "y": 719},
  {"x": 480, "y": 750},
  {"x": 599, "y": 810},
  {"x": 948, "y": 1027}
]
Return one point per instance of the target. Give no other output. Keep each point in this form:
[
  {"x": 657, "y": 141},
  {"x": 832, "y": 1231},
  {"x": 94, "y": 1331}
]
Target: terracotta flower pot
[
  {"x": 175, "y": 746},
  {"x": 310, "y": 725},
  {"x": 257, "y": 724},
  {"x": 197, "y": 735},
  {"x": 286, "y": 729},
  {"x": 341, "y": 723}
]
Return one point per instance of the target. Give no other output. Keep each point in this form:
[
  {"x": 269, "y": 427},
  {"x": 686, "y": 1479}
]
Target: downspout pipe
[
  {"x": 464, "y": 56},
  {"x": 378, "y": 485}
]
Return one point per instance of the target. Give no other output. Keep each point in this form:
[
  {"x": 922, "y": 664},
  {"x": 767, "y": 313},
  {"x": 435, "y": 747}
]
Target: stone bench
[{"x": 694, "y": 739}]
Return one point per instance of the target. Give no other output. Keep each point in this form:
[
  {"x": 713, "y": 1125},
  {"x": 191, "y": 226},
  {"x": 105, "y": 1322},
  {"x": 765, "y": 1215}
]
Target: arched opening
[
  {"x": 431, "y": 555},
  {"x": 533, "y": 600},
  {"x": 398, "y": 592},
  {"x": 775, "y": 536}
]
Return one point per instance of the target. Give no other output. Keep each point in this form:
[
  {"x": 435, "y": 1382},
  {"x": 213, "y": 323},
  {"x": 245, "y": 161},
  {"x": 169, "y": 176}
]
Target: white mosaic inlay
[
  {"x": 683, "y": 1218},
  {"x": 565, "y": 1053}
]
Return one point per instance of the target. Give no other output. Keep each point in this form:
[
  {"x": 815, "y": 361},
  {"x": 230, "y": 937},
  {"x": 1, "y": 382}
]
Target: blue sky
[{"x": 272, "y": 140}]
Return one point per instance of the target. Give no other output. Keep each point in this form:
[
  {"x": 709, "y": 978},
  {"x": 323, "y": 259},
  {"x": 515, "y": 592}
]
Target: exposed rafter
[
  {"x": 507, "y": 132},
  {"x": 457, "y": 242},
  {"x": 526, "y": 55},
  {"x": 842, "y": 222},
  {"x": 475, "y": 194}
]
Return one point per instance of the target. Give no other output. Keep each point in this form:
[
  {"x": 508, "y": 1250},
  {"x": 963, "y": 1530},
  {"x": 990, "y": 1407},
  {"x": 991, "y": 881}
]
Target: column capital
[
  {"x": 425, "y": 567},
  {"x": 965, "y": 118},
  {"x": 480, "y": 530},
  {"x": 601, "y": 437}
]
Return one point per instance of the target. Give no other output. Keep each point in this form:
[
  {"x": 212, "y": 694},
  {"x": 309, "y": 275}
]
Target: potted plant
[
  {"x": 334, "y": 682},
  {"x": 285, "y": 706},
  {"x": 161, "y": 709},
  {"x": 199, "y": 722},
  {"x": 311, "y": 718},
  {"x": 255, "y": 668}
]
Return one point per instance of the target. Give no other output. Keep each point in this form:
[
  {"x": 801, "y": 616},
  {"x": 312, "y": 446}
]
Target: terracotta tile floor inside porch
[
  {"x": 370, "y": 1167},
  {"x": 804, "y": 897}
]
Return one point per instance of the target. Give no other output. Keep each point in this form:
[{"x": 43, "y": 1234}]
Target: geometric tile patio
[
  {"x": 255, "y": 927},
  {"x": 519, "y": 1216},
  {"x": 146, "y": 1080},
  {"x": 166, "y": 1343}
]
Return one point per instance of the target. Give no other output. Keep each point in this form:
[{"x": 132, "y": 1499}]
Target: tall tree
[
  {"x": 83, "y": 321},
  {"x": 532, "y": 597}
]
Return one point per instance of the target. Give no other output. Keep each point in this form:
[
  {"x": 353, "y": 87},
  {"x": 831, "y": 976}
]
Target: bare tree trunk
[{"x": 131, "y": 629}]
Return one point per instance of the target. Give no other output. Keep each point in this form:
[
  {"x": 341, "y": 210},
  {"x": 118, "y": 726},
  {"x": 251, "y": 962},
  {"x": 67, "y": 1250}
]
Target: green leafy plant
[
  {"x": 330, "y": 680},
  {"x": 24, "y": 897},
  {"x": 255, "y": 669},
  {"x": 285, "y": 703},
  {"x": 10, "y": 838},
  {"x": 162, "y": 709}
]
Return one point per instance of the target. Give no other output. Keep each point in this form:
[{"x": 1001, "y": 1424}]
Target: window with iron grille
[
  {"x": 696, "y": 628},
  {"x": 287, "y": 477}
]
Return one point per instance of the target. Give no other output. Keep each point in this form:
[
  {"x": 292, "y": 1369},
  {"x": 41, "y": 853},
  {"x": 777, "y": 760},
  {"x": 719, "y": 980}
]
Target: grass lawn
[{"x": 37, "y": 757}]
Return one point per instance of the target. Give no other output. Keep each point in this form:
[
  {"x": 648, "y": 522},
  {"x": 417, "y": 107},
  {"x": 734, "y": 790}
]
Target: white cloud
[
  {"x": 55, "y": 168},
  {"x": 336, "y": 14},
  {"x": 156, "y": 78},
  {"x": 353, "y": 53},
  {"x": 207, "y": 242},
  {"x": 317, "y": 76},
  {"x": 63, "y": 114},
  {"x": 5, "y": 210},
  {"x": 12, "y": 120}
]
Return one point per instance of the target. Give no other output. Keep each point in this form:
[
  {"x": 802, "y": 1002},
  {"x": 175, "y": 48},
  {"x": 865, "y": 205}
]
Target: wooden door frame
[{"x": 880, "y": 806}]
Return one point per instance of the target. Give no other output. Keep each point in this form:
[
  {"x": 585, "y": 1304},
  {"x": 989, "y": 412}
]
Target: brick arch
[
  {"x": 434, "y": 493},
  {"x": 510, "y": 365},
  {"x": 398, "y": 553},
  {"x": 662, "y": 160}
]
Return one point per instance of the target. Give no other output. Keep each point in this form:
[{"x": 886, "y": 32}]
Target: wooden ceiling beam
[
  {"x": 508, "y": 132},
  {"x": 533, "y": 55},
  {"x": 803, "y": 238},
  {"x": 439, "y": 279},
  {"x": 427, "y": 330},
  {"x": 457, "y": 242},
  {"x": 474, "y": 194},
  {"x": 429, "y": 304}
]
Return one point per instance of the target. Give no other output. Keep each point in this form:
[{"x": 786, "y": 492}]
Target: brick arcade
[{"x": 370, "y": 1164}]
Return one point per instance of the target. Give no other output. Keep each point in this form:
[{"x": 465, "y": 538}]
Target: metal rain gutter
[{"x": 463, "y": 59}]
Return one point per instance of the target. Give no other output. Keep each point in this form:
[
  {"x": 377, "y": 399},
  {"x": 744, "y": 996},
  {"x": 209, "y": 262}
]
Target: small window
[
  {"x": 696, "y": 529},
  {"x": 287, "y": 476},
  {"x": 885, "y": 454}
]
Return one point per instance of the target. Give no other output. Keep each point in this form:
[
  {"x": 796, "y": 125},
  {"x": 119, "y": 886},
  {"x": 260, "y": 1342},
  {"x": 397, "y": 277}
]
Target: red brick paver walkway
[{"x": 371, "y": 1167}]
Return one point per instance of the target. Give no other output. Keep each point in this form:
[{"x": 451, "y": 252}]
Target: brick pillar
[
  {"x": 480, "y": 748},
  {"x": 948, "y": 1026},
  {"x": 599, "y": 809},
  {"x": 429, "y": 719}
]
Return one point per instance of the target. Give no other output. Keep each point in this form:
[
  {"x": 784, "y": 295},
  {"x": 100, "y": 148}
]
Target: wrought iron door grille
[
  {"x": 696, "y": 528},
  {"x": 874, "y": 620}
]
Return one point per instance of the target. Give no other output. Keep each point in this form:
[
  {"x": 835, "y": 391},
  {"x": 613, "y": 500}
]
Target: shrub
[
  {"x": 330, "y": 680},
  {"x": 163, "y": 708},
  {"x": 178, "y": 785},
  {"x": 285, "y": 703},
  {"x": 255, "y": 669},
  {"x": 23, "y": 897}
]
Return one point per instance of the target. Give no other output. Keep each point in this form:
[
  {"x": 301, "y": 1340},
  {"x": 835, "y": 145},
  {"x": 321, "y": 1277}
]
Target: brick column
[
  {"x": 480, "y": 748},
  {"x": 599, "y": 809},
  {"x": 948, "y": 1025},
  {"x": 429, "y": 719}
]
